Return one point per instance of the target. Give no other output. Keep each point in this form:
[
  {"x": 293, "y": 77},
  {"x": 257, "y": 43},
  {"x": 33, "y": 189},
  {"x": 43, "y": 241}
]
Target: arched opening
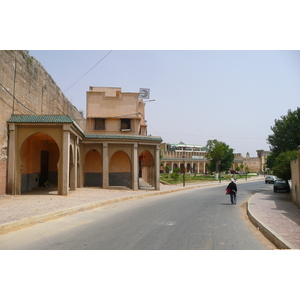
[
  {"x": 182, "y": 168},
  {"x": 120, "y": 170},
  {"x": 201, "y": 168},
  {"x": 39, "y": 158},
  {"x": 147, "y": 167},
  {"x": 71, "y": 169},
  {"x": 188, "y": 168},
  {"x": 93, "y": 168},
  {"x": 195, "y": 168},
  {"x": 78, "y": 169}
]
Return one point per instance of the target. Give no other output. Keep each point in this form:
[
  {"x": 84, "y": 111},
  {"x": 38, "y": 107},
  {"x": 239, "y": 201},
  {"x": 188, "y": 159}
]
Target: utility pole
[
  {"x": 183, "y": 156},
  {"x": 219, "y": 170}
]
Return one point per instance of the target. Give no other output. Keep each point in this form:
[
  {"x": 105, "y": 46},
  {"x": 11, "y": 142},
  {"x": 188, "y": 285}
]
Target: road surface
[{"x": 195, "y": 219}]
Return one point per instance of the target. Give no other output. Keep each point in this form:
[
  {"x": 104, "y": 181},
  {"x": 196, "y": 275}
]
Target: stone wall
[
  {"x": 27, "y": 88},
  {"x": 295, "y": 170}
]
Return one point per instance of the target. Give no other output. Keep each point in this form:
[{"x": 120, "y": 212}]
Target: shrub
[{"x": 174, "y": 176}]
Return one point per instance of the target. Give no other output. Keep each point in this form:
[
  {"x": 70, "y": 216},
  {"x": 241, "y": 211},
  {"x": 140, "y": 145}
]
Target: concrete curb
[
  {"x": 270, "y": 234},
  {"x": 45, "y": 217}
]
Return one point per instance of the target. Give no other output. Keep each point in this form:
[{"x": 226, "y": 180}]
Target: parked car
[
  {"x": 270, "y": 179},
  {"x": 281, "y": 185}
]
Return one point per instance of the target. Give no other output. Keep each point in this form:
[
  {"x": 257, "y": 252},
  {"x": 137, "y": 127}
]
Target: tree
[
  {"x": 286, "y": 133},
  {"x": 282, "y": 168},
  {"x": 167, "y": 169},
  {"x": 285, "y": 137},
  {"x": 161, "y": 155},
  {"x": 220, "y": 154}
]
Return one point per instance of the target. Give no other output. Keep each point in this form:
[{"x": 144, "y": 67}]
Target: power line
[
  {"x": 16, "y": 99},
  {"x": 88, "y": 70}
]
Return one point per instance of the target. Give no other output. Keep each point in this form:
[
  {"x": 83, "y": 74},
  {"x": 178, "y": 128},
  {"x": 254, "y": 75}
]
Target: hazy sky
[{"x": 231, "y": 96}]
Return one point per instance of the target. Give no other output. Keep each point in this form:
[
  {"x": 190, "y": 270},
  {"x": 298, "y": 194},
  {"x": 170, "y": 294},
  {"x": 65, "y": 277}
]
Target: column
[
  {"x": 64, "y": 172},
  {"x": 105, "y": 165},
  {"x": 11, "y": 180},
  {"x": 75, "y": 163},
  {"x": 135, "y": 167},
  {"x": 157, "y": 162},
  {"x": 73, "y": 168}
]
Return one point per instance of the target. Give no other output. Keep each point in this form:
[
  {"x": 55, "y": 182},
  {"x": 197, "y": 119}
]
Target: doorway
[{"x": 44, "y": 168}]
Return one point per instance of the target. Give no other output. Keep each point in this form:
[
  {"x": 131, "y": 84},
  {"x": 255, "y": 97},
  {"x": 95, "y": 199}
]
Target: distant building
[{"x": 193, "y": 159}]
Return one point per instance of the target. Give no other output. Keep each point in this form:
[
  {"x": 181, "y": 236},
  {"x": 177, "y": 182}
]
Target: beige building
[
  {"x": 193, "y": 159},
  {"x": 113, "y": 151},
  {"x": 45, "y": 140}
]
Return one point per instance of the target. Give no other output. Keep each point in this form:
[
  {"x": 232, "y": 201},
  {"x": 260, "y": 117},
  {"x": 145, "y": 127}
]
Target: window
[
  {"x": 125, "y": 125},
  {"x": 99, "y": 124}
]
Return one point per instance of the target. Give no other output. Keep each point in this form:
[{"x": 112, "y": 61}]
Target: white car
[{"x": 270, "y": 179}]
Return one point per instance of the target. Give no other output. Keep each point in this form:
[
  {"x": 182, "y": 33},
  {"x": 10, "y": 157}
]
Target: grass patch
[
  {"x": 197, "y": 178},
  {"x": 188, "y": 178}
]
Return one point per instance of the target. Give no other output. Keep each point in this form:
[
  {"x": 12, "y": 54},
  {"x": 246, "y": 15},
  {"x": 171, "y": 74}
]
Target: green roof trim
[
  {"x": 40, "y": 119},
  {"x": 124, "y": 137},
  {"x": 59, "y": 119}
]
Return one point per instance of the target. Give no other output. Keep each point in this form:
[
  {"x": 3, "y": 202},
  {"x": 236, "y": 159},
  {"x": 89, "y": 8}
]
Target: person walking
[{"x": 232, "y": 191}]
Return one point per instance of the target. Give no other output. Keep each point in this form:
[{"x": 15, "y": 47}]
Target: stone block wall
[{"x": 27, "y": 88}]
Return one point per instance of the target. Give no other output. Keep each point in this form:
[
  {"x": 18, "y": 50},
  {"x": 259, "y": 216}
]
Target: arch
[
  {"x": 147, "y": 167},
  {"x": 195, "y": 168},
  {"x": 188, "y": 167},
  {"x": 182, "y": 168},
  {"x": 120, "y": 170},
  {"x": 202, "y": 167},
  {"x": 72, "y": 153},
  {"x": 93, "y": 168},
  {"x": 39, "y": 154},
  {"x": 78, "y": 168}
]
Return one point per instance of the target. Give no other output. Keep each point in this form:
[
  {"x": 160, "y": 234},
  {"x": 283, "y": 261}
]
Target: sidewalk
[{"x": 276, "y": 216}]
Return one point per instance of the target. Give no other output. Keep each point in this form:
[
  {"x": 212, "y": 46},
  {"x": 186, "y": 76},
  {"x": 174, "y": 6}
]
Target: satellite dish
[{"x": 144, "y": 93}]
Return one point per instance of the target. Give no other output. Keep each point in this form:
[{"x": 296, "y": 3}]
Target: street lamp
[
  {"x": 183, "y": 156},
  {"x": 219, "y": 171}
]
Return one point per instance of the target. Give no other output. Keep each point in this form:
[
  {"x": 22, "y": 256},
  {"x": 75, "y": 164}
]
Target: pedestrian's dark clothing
[
  {"x": 233, "y": 188},
  {"x": 233, "y": 191}
]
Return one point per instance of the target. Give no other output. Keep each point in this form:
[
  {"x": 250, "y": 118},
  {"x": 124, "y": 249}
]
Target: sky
[{"x": 233, "y": 96}]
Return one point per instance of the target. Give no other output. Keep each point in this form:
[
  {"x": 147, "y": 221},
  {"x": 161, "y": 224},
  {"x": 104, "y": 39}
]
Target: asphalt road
[{"x": 196, "y": 219}]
